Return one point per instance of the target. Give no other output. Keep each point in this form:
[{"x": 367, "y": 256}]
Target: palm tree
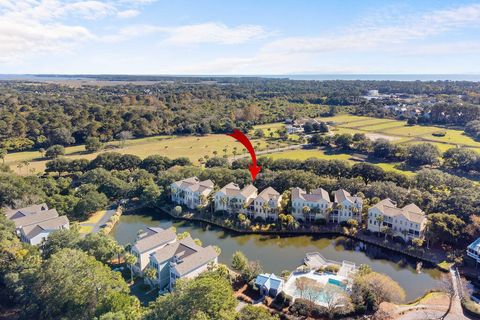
[
  {"x": 151, "y": 275},
  {"x": 386, "y": 231},
  {"x": 265, "y": 208},
  {"x": 379, "y": 220},
  {"x": 224, "y": 202},
  {"x": 130, "y": 259},
  {"x": 306, "y": 212}
]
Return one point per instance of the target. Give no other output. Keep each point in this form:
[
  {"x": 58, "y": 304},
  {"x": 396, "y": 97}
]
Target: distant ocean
[{"x": 318, "y": 77}]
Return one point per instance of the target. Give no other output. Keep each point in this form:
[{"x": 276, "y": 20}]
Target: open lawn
[
  {"x": 303, "y": 154},
  {"x": 400, "y": 131},
  {"x": 192, "y": 147}
]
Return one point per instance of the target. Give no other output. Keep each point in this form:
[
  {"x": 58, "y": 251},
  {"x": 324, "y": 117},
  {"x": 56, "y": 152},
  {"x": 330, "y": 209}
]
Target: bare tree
[
  {"x": 335, "y": 300},
  {"x": 123, "y": 136}
]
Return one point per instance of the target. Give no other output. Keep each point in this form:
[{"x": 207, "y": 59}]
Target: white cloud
[
  {"x": 128, "y": 13},
  {"x": 214, "y": 33},
  {"x": 372, "y": 36},
  {"x": 209, "y": 32}
]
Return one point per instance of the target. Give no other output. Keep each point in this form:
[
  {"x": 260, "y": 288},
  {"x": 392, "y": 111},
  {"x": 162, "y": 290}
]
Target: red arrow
[{"x": 243, "y": 139}]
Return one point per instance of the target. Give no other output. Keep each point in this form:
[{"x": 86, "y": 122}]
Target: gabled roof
[
  {"x": 47, "y": 225},
  {"x": 195, "y": 185},
  {"x": 475, "y": 245},
  {"x": 35, "y": 218},
  {"x": 189, "y": 255},
  {"x": 342, "y": 195},
  {"x": 233, "y": 190},
  {"x": 22, "y": 212},
  {"x": 154, "y": 237},
  {"x": 268, "y": 193},
  {"x": 249, "y": 191},
  {"x": 315, "y": 196},
  {"x": 269, "y": 281},
  {"x": 411, "y": 212}
]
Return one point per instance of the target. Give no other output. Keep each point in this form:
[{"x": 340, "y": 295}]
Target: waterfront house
[
  {"x": 183, "y": 259},
  {"x": 233, "y": 199},
  {"x": 473, "y": 250},
  {"x": 267, "y": 204},
  {"x": 34, "y": 224},
  {"x": 191, "y": 192},
  {"x": 346, "y": 207},
  {"x": 408, "y": 222},
  {"x": 310, "y": 206},
  {"x": 149, "y": 241},
  {"x": 269, "y": 284},
  {"x": 37, "y": 233}
]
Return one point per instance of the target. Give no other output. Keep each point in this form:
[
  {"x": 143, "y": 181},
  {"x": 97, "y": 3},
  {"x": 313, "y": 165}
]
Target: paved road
[{"x": 101, "y": 222}]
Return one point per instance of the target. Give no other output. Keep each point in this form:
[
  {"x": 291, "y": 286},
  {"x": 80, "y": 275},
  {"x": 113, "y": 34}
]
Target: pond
[{"x": 286, "y": 253}]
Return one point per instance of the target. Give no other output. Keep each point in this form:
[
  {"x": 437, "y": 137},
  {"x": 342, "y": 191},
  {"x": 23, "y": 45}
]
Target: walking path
[{"x": 275, "y": 150}]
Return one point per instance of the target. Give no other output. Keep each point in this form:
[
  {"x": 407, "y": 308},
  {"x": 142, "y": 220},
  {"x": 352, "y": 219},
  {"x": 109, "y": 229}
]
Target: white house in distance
[
  {"x": 407, "y": 222},
  {"x": 317, "y": 201},
  {"x": 181, "y": 259},
  {"x": 266, "y": 205},
  {"x": 150, "y": 241},
  {"x": 35, "y": 223},
  {"x": 346, "y": 207},
  {"x": 473, "y": 250},
  {"x": 233, "y": 199},
  {"x": 191, "y": 192}
]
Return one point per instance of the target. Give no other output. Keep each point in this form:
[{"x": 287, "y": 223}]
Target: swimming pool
[{"x": 291, "y": 289}]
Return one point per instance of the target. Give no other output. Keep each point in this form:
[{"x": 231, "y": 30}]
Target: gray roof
[
  {"x": 195, "y": 185},
  {"x": 154, "y": 237},
  {"x": 22, "y": 212},
  {"x": 411, "y": 212},
  {"x": 233, "y": 190},
  {"x": 35, "y": 218},
  {"x": 342, "y": 195},
  {"x": 190, "y": 256},
  {"x": 47, "y": 225},
  {"x": 315, "y": 195},
  {"x": 269, "y": 281},
  {"x": 268, "y": 193}
]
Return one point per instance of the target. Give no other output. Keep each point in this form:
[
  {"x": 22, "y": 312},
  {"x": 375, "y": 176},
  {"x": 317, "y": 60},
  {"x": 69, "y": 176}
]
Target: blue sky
[{"x": 239, "y": 37}]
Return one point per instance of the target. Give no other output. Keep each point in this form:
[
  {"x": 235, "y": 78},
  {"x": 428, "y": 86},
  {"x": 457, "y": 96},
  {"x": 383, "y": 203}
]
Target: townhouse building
[
  {"x": 191, "y": 192},
  {"x": 346, "y": 207},
  {"x": 266, "y": 205},
  {"x": 233, "y": 199},
  {"x": 311, "y": 206}
]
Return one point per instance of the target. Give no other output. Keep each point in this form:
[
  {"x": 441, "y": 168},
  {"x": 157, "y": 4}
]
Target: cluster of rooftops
[
  {"x": 35, "y": 223},
  {"x": 172, "y": 258},
  {"x": 306, "y": 206}
]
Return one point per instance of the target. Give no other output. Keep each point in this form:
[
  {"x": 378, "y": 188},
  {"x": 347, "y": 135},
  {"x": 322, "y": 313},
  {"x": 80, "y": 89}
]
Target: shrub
[
  {"x": 282, "y": 300},
  {"x": 471, "y": 307},
  {"x": 300, "y": 307},
  {"x": 331, "y": 268},
  {"x": 439, "y": 134}
]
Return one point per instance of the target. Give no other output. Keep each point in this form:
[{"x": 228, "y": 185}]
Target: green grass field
[{"x": 193, "y": 147}]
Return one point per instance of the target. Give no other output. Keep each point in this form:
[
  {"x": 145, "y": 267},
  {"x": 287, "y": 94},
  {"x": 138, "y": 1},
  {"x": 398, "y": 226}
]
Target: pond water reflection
[{"x": 286, "y": 253}]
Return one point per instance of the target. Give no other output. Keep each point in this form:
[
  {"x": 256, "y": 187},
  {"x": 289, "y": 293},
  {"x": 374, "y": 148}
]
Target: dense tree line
[{"x": 39, "y": 115}]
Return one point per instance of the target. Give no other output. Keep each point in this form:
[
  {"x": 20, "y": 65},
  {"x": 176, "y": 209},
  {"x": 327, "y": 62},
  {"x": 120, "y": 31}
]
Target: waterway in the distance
[{"x": 286, "y": 253}]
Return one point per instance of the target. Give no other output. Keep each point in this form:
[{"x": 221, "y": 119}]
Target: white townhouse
[
  {"x": 181, "y": 259},
  {"x": 310, "y": 206},
  {"x": 148, "y": 242},
  {"x": 191, "y": 192},
  {"x": 346, "y": 207},
  {"x": 267, "y": 204},
  {"x": 408, "y": 222},
  {"x": 34, "y": 224},
  {"x": 233, "y": 199}
]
